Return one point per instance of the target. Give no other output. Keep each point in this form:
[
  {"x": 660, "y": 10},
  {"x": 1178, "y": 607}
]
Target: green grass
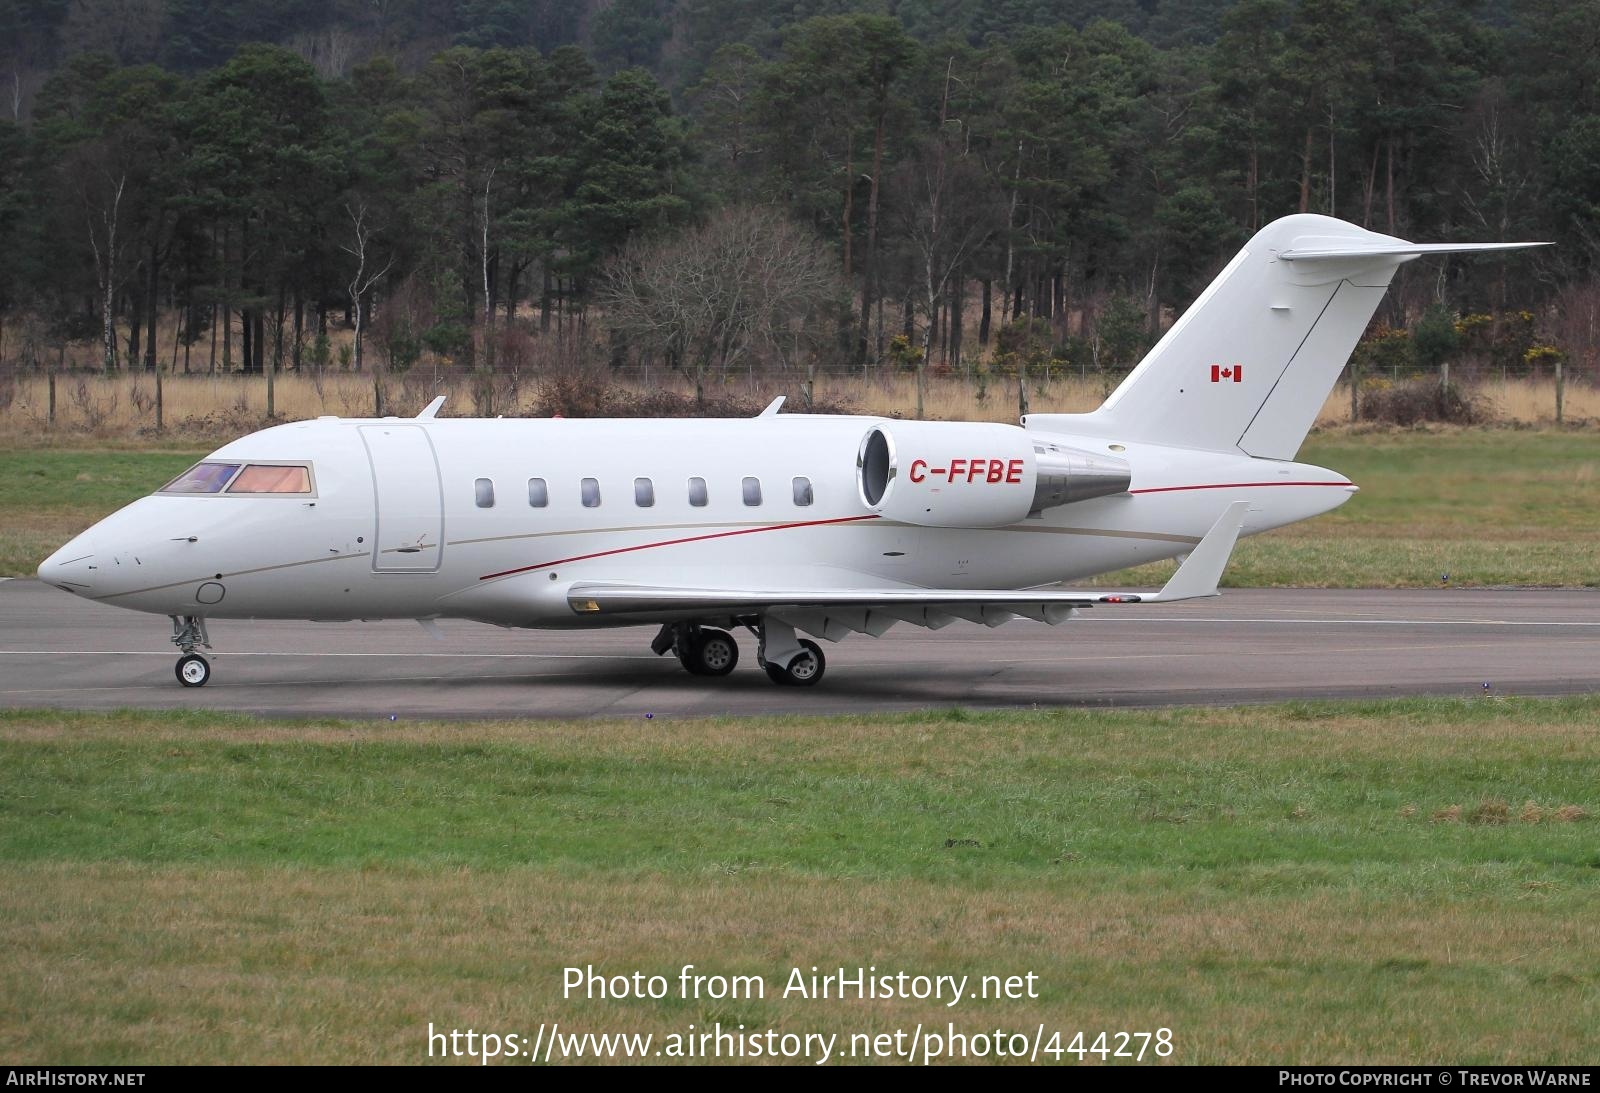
[
  {"x": 48, "y": 495},
  {"x": 1486, "y": 506},
  {"x": 1387, "y": 881}
]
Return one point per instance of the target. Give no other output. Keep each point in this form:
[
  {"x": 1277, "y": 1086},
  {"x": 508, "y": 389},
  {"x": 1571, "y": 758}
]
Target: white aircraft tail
[{"x": 1252, "y": 361}]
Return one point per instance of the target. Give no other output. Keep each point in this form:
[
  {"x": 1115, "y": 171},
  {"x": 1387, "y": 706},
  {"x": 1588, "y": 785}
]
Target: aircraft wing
[{"x": 874, "y": 610}]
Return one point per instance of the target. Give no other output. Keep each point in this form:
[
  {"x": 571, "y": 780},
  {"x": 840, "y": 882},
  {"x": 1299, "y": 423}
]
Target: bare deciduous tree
[
  {"x": 102, "y": 200},
  {"x": 747, "y": 284},
  {"x": 362, "y": 281}
]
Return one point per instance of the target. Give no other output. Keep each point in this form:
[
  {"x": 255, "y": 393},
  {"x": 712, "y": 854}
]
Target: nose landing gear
[{"x": 188, "y": 633}]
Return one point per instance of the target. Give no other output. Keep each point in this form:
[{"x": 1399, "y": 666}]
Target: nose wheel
[
  {"x": 188, "y": 634},
  {"x": 193, "y": 670}
]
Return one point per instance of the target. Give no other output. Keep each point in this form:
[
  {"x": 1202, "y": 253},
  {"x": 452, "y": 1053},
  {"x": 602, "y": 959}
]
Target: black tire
[
  {"x": 715, "y": 653},
  {"x": 193, "y": 670},
  {"x": 804, "y": 670}
]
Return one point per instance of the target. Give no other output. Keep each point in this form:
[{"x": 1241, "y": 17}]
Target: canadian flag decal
[{"x": 1220, "y": 373}]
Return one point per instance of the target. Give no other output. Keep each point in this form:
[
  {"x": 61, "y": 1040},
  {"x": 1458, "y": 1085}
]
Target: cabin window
[
  {"x": 483, "y": 492},
  {"x": 538, "y": 493},
  {"x": 697, "y": 492},
  {"x": 752, "y": 491},
  {"x": 263, "y": 478},
  {"x": 202, "y": 478},
  {"x": 802, "y": 492},
  {"x": 644, "y": 492},
  {"x": 591, "y": 493}
]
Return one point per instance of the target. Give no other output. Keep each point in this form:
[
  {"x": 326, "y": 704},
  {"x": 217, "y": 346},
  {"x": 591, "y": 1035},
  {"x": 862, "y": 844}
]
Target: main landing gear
[
  {"x": 701, "y": 650},
  {"x": 188, "y": 633},
  {"x": 706, "y": 651}
]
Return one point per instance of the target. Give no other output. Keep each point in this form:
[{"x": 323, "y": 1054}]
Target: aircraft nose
[{"x": 72, "y": 567}]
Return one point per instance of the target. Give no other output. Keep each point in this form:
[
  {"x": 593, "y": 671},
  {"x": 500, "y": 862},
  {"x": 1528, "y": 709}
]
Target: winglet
[
  {"x": 1198, "y": 575},
  {"x": 773, "y": 407},
  {"x": 431, "y": 411}
]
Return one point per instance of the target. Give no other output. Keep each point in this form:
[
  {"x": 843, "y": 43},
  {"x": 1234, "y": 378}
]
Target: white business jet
[{"x": 781, "y": 524}]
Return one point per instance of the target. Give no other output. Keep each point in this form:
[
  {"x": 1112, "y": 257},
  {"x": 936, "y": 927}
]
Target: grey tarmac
[{"x": 1248, "y": 645}]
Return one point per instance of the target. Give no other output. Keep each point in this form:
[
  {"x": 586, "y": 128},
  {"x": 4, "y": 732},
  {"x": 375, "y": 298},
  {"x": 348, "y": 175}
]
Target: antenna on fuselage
[
  {"x": 773, "y": 407},
  {"x": 431, "y": 411}
]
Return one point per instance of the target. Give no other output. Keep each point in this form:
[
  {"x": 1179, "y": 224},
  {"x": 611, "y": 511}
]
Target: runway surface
[{"x": 1246, "y": 646}]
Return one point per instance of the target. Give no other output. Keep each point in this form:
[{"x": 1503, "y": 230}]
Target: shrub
[{"x": 1415, "y": 401}]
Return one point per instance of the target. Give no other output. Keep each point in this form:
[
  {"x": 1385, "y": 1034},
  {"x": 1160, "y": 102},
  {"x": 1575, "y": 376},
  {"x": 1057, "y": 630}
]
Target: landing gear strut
[
  {"x": 702, "y": 650},
  {"x": 189, "y": 633},
  {"x": 803, "y": 671},
  {"x": 789, "y": 661}
]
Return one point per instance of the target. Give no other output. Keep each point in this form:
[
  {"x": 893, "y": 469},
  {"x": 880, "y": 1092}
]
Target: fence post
[
  {"x": 52, "y": 400},
  {"x": 160, "y": 424},
  {"x": 1561, "y": 385}
]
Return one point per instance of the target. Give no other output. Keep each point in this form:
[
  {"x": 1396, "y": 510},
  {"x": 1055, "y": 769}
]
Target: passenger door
[{"x": 407, "y": 497}]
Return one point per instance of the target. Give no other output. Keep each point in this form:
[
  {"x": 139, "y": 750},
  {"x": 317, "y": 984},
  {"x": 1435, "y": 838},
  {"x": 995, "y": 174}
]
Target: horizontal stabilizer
[
  {"x": 1397, "y": 250},
  {"x": 1200, "y": 572}
]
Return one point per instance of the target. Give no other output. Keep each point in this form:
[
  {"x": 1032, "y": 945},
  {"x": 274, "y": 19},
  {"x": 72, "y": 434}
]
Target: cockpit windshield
[
  {"x": 202, "y": 478},
  {"x": 252, "y": 478},
  {"x": 259, "y": 478}
]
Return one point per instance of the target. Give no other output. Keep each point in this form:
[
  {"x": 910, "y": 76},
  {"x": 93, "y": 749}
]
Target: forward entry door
[{"x": 409, "y": 532}]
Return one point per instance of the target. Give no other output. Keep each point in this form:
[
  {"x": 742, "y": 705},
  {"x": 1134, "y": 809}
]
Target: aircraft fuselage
[{"x": 494, "y": 520}]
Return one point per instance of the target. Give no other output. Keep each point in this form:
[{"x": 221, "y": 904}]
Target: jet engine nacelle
[{"x": 973, "y": 475}]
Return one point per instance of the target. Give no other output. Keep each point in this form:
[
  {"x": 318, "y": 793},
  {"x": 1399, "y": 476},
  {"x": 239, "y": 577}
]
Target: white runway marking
[
  {"x": 1334, "y": 622},
  {"x": 255, "y": 653}
]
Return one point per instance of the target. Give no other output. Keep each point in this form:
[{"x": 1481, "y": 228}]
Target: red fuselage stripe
[
  {"x": 677, "y": 542},
  {"x": 837, "y": 520},
  {"x": 1235, "y": 486}
]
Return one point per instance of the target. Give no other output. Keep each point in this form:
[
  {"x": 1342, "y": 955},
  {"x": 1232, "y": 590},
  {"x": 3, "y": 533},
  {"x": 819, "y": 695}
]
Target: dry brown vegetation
[{"x": 203, "y": 409}]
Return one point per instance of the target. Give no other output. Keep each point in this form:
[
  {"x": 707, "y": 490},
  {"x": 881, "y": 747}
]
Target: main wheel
[
  {"x": 715, "y": 652},
  {"x": 804, "y": 670},
  {"x": 193, "y": 671},
  {"x": 710, "y": 653}
]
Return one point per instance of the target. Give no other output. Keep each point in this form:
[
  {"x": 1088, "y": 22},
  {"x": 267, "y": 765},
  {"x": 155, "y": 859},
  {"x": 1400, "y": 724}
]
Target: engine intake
[{"x": 974, "y": 475}]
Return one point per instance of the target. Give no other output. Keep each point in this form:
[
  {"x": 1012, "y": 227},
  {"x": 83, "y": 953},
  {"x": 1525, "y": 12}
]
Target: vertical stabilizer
[{"x": 1250, "y": 364}]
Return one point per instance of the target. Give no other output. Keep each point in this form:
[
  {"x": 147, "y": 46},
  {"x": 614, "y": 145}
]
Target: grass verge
[{"x": 1405, "y": 880}]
